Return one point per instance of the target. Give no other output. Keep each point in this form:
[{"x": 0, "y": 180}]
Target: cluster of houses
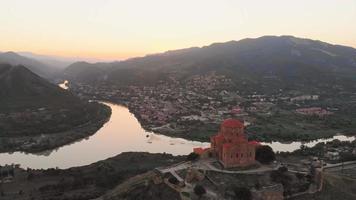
[
  {"x": 316, "y": 111},
  {"x": 7, "y": 173},
  {"x": 335, "y": 153},
  {"x": 203, "y": 98},
  {"x": 200, "y": 99},
  {"x": 304, "y": 98}
]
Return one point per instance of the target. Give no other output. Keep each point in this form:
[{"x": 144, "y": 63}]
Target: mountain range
[
  {"x": 53, "y": 61},
  {"x": 283, "y": 62},
  {"x": 41, "y": 69},
  {"x": 265, "y": 64}
]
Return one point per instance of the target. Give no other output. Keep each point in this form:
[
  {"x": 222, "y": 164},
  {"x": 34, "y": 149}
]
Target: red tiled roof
[
  {"x": 198, "y": 150},
  {"x": 232, "y": 123}
]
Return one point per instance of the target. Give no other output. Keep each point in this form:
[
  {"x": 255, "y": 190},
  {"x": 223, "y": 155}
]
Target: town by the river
[{"x": 122, "y": 133}]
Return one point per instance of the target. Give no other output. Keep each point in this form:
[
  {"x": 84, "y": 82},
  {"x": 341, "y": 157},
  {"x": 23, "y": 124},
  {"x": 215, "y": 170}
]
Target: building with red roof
[
  {"x": 200, "y": 150},
  {"x": 231, "y": 146}
]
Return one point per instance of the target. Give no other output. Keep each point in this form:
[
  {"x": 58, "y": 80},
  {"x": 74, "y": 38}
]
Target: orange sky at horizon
[{"x": 121, "y": 29}]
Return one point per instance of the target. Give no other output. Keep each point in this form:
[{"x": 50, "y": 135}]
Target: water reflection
[
  {"x": 64, "y": 85},
  {"x": 292, "y": 146},
  {"x": 122, "y": 133}
]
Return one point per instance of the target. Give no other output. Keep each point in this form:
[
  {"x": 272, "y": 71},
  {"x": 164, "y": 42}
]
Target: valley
[
  {"x": 169, "y": 105},
  {"x": 177, "y": 100},
  {"x": 284, "y": 88},
  {"x": 194, "y": 108}
]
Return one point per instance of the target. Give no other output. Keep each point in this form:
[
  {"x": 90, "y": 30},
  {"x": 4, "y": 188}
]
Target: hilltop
[
  {"x": 21, "y": 89},
  {"x": 31, "y": 107}
]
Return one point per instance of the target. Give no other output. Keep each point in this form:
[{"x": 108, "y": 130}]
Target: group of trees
[
  {"x": 192, "y": 156},
  {"x": 264, "y": 154},
  {"x": 7, "y": 172},
  {"x": 242, "y": 193},
  {"x": 199, "y": 190}
]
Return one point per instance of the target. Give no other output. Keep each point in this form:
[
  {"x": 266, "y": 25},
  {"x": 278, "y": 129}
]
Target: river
[
  {"x": 64, "y": 85},
  {"x": 122, "y": 133}
]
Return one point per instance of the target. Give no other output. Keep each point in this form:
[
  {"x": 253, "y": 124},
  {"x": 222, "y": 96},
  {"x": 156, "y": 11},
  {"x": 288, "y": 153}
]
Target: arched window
[{"x": 237, "y": 155}]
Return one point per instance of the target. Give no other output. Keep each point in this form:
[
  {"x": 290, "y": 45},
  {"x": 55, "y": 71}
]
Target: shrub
[
  {"x": 192, "y": 156},
  {"x": 199, "y": 190},
  {"x": 173, "y": 180},
  {"x": 264, "y": 154},
  {"x": 242, "y": 193}
]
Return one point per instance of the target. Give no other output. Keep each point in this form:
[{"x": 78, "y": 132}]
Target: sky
[{"x": 120, "y": 29}]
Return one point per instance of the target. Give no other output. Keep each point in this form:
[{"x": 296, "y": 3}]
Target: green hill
[{"x": 30, "y": 105}]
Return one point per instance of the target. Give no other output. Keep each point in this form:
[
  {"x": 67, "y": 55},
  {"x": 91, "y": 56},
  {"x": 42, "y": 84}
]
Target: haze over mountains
[
  {"x": 267, "y": 61},
  {"x": 42, "y": 69},
  {"x": 263, "y": 63},
  {"x": 53, "y": 61},
  {"x": 49, "y": 67}
]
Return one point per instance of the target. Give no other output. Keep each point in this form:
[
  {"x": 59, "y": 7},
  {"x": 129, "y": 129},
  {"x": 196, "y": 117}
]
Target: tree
[
  {"x": 173, "y": 180},
  {"x": 30, "y": 176},
  {"x": 192, "y": 156},
  {"x": 199, "y": 190},
  {"x": 264, "y": 154},
  {"x": 242, "y": 193}
]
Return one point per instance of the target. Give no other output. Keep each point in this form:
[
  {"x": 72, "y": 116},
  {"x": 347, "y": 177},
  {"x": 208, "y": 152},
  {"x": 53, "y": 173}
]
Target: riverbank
[
  {"x": 86, "y": 182},
  {"x": 122, "y": 133},
  {"x": 185, "y": 111},
  {"x": 202, "y": 132},
  {"x": 51, "y": 141}
]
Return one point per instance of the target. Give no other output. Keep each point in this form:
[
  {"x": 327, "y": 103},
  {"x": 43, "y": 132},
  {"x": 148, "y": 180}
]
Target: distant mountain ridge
[
  {"x": 288, "y": 59},
  {"x": 85, "y": 70},
  {"x": 35, "y": 66},
  {"x": 52, "y": 61}
]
